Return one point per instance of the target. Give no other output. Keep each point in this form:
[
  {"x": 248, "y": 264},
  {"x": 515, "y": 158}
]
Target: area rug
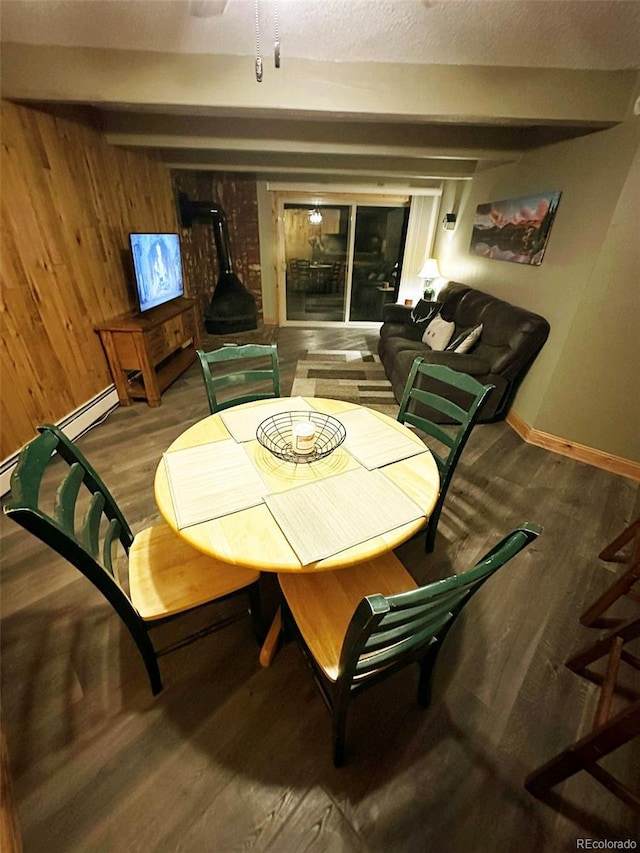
[{"x": 351, "y": 375}]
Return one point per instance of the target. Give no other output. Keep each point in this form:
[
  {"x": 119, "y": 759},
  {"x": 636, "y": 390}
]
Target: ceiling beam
[
  {"x": 286, "y": 148},
  {"x": 397, "y": 91},
  {"x": 364, "y": 164}
]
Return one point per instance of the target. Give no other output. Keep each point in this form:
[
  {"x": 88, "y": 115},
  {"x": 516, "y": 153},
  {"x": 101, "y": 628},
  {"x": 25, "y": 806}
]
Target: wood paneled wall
[{"x": 69, "y": 201}]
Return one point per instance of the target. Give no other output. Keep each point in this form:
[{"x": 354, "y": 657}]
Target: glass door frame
[{"x": 315, "y": 199}]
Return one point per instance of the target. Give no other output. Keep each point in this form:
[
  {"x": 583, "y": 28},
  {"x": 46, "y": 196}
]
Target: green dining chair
[
  {"x": 357, "y": 626},
  {"x": 243, "y": 378},
  {"x": 58, "y": 497},
  {"x": 446, "y": 386}
]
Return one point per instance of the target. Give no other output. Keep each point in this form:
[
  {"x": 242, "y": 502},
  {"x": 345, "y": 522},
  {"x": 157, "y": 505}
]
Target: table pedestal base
[{"x": 270, "y": 645}]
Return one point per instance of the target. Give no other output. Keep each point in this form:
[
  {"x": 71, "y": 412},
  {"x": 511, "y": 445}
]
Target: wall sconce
[
  {"x": 315, "y": 217},
  {"x": 449, "y": 221}
]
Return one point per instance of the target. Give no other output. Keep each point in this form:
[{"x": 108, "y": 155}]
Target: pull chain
[
  {"x": 258, "y": 55},
  {"x": 276, "y": 45}
]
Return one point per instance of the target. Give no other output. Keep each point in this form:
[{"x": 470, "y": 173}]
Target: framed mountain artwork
[{"x": 516, "y": 229}]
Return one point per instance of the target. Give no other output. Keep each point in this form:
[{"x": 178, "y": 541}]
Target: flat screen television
[{"x": 157, "y": 265}]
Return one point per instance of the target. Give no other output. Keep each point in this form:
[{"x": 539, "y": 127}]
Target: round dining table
[{"x": 252, "y": 538}]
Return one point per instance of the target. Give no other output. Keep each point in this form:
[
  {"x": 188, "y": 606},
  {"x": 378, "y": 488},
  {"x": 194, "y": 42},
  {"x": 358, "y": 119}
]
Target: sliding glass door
[{"x": 342, "y": 260}]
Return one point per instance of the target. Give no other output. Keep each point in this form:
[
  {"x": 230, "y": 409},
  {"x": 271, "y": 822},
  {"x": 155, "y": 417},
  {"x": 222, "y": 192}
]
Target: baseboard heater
[{"x": 73, "y": 426}]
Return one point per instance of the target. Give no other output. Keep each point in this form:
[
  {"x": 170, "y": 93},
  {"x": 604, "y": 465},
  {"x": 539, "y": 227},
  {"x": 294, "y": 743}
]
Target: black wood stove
[{"x": 232, "y": 307}]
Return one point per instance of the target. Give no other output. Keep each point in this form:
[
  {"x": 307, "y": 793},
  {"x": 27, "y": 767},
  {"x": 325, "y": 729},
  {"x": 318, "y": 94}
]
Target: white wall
[
  {"x": 583, "y": 386},
  {"x": 603, "y": 342}
]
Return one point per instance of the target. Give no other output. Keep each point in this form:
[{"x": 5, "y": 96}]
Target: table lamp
[{"x": 429, "y": 273}]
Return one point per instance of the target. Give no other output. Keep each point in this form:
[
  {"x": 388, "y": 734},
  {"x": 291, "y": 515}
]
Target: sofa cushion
[
  {"x": 471, "y": 364},
  {"x": 406, "y": 331},
  {"x": 450, "y": 297},
  {"x": 438, "y": 333},
  {"x": 511, "y": 335},
  {"x": 390, "y": 347},
  {"x": 407, "y": 336}
]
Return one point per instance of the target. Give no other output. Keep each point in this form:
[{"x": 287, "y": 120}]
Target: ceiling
[
  {"x": 596, "y": 34},
  {"x": 391, "y": 92}
]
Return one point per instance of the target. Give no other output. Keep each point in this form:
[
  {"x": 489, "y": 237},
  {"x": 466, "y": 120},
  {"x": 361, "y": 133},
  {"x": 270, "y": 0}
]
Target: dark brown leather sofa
[{"x": 511, "y": 339}]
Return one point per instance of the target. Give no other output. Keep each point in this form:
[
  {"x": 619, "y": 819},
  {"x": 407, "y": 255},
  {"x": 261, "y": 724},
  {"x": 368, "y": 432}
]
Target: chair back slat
[
  {"x": 67, "y": 497},
  {"x": 56, "y": 526},
  {"x": 30, "y": 468},
  {"x": 430, "y": 597},
  {"x": 463, "y": 420},
  {"x": 461, "y": 416},
  {"x": 252, "y": 375},
  {"x": 411, "y": 645},
  {"x": 434, "y": 401},
  {"x": 380, "y": 636},
  {"x": 427, "y": 619},
  {"x": 232, "y": 352},
  {"x": 435, "y": 431},
  {"x": 241, "y": 376},
  {"x": 111, "y": 539},
  {"x": 432, "y": 616},
  {"x": 90, "y": 530},
  {"x": 245, "y": 398}
]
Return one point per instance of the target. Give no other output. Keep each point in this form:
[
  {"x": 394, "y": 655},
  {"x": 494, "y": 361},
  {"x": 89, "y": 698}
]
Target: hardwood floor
[{"x": 234, "y": 757}]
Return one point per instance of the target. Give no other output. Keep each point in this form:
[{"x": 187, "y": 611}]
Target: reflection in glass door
[
  {"x": 342, "y": 261},
  {"x": 316, "y": 243},
  {"x": 377, "y": 254}
]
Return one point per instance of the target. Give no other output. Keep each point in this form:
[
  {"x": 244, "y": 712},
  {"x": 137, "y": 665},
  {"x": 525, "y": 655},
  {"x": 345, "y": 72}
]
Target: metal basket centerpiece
[{"x": 278, "y": 435}]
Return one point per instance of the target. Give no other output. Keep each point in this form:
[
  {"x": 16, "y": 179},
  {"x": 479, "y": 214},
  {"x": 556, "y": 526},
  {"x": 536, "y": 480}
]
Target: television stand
[{"x": 156, "y": 347}]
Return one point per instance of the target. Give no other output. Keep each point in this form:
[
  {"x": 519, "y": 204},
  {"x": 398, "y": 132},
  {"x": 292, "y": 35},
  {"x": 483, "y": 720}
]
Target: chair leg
[
  {"x": 611, "y": 552},
  {"x": 624, "y": 584},
  {"x": 153, "y": 670},
  {"x": 584, "y": 754},
  {"x": 339, "y": 730},
  {"x": 270, "y": 644},
  {"x": 426, "y": 674},
  {"x": 432, "y": 527},
  {"x": 627, "y": 631},
  {"x": 149, "y": 655},
  {"x": 430, "y": 541},
  {"x": 619, "y": 588}
]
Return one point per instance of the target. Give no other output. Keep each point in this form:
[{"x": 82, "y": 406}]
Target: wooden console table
[{"x": 155, "y": 347}]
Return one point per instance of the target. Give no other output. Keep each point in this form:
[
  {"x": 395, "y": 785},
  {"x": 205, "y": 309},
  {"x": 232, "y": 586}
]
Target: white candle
[{"x": 304, "y": 437}]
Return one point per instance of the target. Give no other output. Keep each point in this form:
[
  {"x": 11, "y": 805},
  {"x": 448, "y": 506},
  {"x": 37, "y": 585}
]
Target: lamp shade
[{"x": 429, "y": 269}]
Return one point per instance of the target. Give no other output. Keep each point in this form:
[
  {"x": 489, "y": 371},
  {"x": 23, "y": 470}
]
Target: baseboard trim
[
  {"x": 72, "y": 425},
  {"x": 579, "y": 452}
]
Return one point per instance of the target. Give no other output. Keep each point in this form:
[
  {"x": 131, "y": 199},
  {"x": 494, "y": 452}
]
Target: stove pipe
[{"x": 232, "y": 307}]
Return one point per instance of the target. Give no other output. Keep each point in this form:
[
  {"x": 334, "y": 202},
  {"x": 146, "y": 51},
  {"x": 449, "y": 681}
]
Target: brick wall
[{"x": 236, "y": 194}]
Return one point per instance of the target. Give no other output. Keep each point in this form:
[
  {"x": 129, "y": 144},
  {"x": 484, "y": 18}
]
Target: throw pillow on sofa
[
  {"x": 438, "y": 333},
  {"x": 425, "y": 311},
  {"x": 465, "y": 340}
]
